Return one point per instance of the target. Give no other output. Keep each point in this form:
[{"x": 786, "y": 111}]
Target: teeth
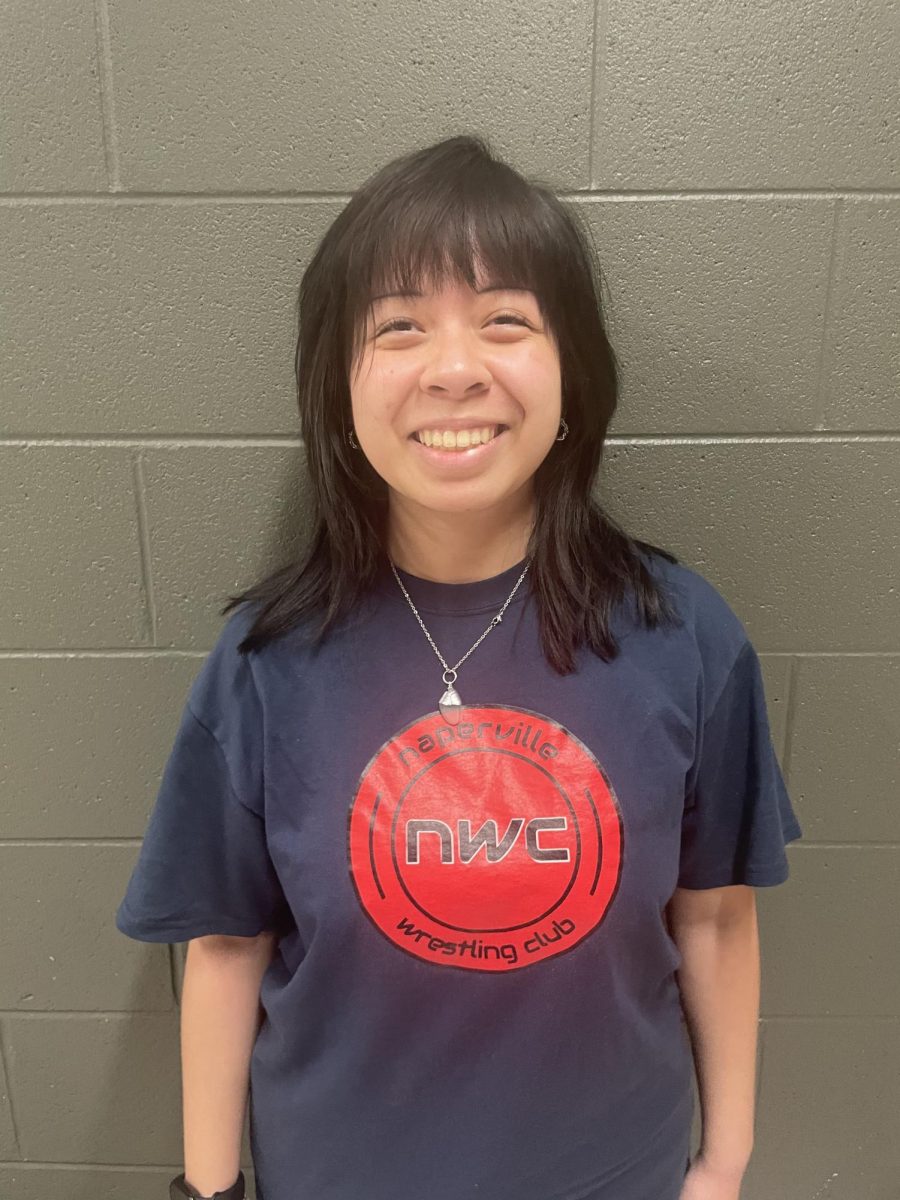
[{"x": 447, "y": 439}]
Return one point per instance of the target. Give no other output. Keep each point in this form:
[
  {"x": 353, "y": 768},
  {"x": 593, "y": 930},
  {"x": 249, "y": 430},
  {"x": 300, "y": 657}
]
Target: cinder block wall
[{"x": 167, "y": 169}]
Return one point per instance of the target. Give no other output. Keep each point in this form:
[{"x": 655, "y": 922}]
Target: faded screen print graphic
[{"x": 489, "y": 845}]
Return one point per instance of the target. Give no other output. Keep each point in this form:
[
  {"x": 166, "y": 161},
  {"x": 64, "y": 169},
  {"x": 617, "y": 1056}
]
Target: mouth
[
  {"x": 449, "y": 458},
  {"x": 471, "y": 439}
]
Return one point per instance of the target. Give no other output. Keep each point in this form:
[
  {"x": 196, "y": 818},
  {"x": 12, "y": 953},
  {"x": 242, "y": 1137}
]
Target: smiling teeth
[{"x": 461, "y": 439}]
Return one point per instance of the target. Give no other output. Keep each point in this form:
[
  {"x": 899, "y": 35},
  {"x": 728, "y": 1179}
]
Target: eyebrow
[{"x": 496, "y": 287}]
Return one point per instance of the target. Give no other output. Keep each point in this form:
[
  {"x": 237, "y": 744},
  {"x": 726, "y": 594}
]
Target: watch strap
[{"x": 179, "y": 1188}]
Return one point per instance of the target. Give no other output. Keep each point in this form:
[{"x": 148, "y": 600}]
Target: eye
[
  {"x": 392, "y": 325},
  {"x": 504, "y": 316},
  {"x": 510, "y": 317}
]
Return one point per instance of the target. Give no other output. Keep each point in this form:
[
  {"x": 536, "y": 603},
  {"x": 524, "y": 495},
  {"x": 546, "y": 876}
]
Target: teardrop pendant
[{"x": 450, "y": 706}]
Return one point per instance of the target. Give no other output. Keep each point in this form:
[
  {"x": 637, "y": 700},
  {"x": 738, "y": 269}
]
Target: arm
[
  {"x": 716, "y": 932},
  {"x": 220, "y": 1018}
]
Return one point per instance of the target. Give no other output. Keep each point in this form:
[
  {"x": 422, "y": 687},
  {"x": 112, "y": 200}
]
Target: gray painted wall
[{"x": 167, "y": 170}]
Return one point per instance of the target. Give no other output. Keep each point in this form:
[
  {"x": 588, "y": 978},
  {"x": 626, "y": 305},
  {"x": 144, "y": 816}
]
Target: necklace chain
[{"x": 494, "y": 622}]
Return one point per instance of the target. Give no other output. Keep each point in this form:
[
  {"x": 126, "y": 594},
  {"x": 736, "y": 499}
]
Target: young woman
[{"x": 469, "y": 804}]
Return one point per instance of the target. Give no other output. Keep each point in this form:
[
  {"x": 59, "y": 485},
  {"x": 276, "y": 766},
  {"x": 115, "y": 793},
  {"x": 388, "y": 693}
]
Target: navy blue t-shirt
[{"x": 474, "y": 991}]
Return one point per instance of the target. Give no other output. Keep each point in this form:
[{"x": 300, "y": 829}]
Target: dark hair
[{"x": 428, "y": 217}]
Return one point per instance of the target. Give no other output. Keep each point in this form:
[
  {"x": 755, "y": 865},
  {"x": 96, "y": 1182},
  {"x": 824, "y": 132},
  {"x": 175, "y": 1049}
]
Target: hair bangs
[{"x": 481, "y": 232}]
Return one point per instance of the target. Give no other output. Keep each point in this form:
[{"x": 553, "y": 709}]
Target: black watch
[{"x": 179, "y": 1187}]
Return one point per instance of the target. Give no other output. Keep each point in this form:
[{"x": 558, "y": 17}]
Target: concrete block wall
[{"x": 167, "y": 169}]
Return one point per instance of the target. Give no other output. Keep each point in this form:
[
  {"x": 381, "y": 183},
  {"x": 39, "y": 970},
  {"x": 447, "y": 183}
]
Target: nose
[{"x": 454, "y": 367}]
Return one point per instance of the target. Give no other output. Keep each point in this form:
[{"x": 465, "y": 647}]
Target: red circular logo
[{"x": 488, "y": 845}]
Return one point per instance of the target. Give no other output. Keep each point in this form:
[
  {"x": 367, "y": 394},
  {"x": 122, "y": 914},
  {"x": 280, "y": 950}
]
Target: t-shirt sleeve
[
  {"x": 738, "y": 816},
  {"x": 204, "y": 865}
]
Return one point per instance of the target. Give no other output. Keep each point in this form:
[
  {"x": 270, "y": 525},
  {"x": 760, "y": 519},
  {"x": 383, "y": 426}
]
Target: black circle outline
[{"x": 450, "y": 966}]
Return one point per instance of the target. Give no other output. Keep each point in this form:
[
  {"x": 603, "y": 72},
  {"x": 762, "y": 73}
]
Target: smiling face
[{"x": 448, "y": 360}]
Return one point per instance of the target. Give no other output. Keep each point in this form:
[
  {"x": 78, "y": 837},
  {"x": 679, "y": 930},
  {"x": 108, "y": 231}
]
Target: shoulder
[
  {"x": 701, "y": 603},
  {"x": 226, "y": 677},
  {"x": 710, "y": 621}
]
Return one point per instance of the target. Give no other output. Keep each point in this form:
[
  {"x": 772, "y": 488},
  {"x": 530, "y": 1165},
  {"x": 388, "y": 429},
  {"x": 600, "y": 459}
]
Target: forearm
[
  {"x": 720, "y": 982},
  {"x": 219, "y": 1022}
]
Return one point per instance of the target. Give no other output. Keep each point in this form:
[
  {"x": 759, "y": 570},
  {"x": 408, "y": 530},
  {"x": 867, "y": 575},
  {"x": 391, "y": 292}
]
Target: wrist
[{"x": 179, "y": 1187}]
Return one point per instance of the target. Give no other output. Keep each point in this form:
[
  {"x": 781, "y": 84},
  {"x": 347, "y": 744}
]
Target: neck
[{"x": 457, "y": 547}]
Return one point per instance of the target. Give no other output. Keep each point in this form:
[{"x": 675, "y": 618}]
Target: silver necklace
[{"x": 450, "y": 703}]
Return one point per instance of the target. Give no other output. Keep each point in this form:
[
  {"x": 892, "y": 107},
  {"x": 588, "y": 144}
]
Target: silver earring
[
  {"x": 565, "y": 428},
  {"x": 352, "y": 440}
]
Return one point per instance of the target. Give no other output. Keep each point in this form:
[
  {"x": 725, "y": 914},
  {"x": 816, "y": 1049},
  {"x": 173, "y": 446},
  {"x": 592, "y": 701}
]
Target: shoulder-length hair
[{"x": 427, "y": 218}]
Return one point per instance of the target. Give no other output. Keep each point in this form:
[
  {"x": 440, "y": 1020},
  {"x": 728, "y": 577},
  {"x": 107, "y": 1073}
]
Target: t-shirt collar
[{"x": 481, "y": 595}]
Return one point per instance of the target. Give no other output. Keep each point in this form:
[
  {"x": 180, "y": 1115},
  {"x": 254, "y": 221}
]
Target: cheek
[
  {"x": 546, "y": 363},
  {"x": 539, "y": 368},
  {"x": 539, "y": 392},
  {"x": 376, "y": 398}
]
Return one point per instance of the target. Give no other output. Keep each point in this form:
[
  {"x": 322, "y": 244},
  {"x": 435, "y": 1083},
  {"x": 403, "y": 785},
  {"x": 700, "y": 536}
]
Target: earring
[
  {"x": 352, "y": 440},
  {"x": 565, "y": 428}
]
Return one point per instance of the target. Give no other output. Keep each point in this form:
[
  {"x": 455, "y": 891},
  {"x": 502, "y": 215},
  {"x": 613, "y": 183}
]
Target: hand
[{"x": 706, "y": 1181}]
